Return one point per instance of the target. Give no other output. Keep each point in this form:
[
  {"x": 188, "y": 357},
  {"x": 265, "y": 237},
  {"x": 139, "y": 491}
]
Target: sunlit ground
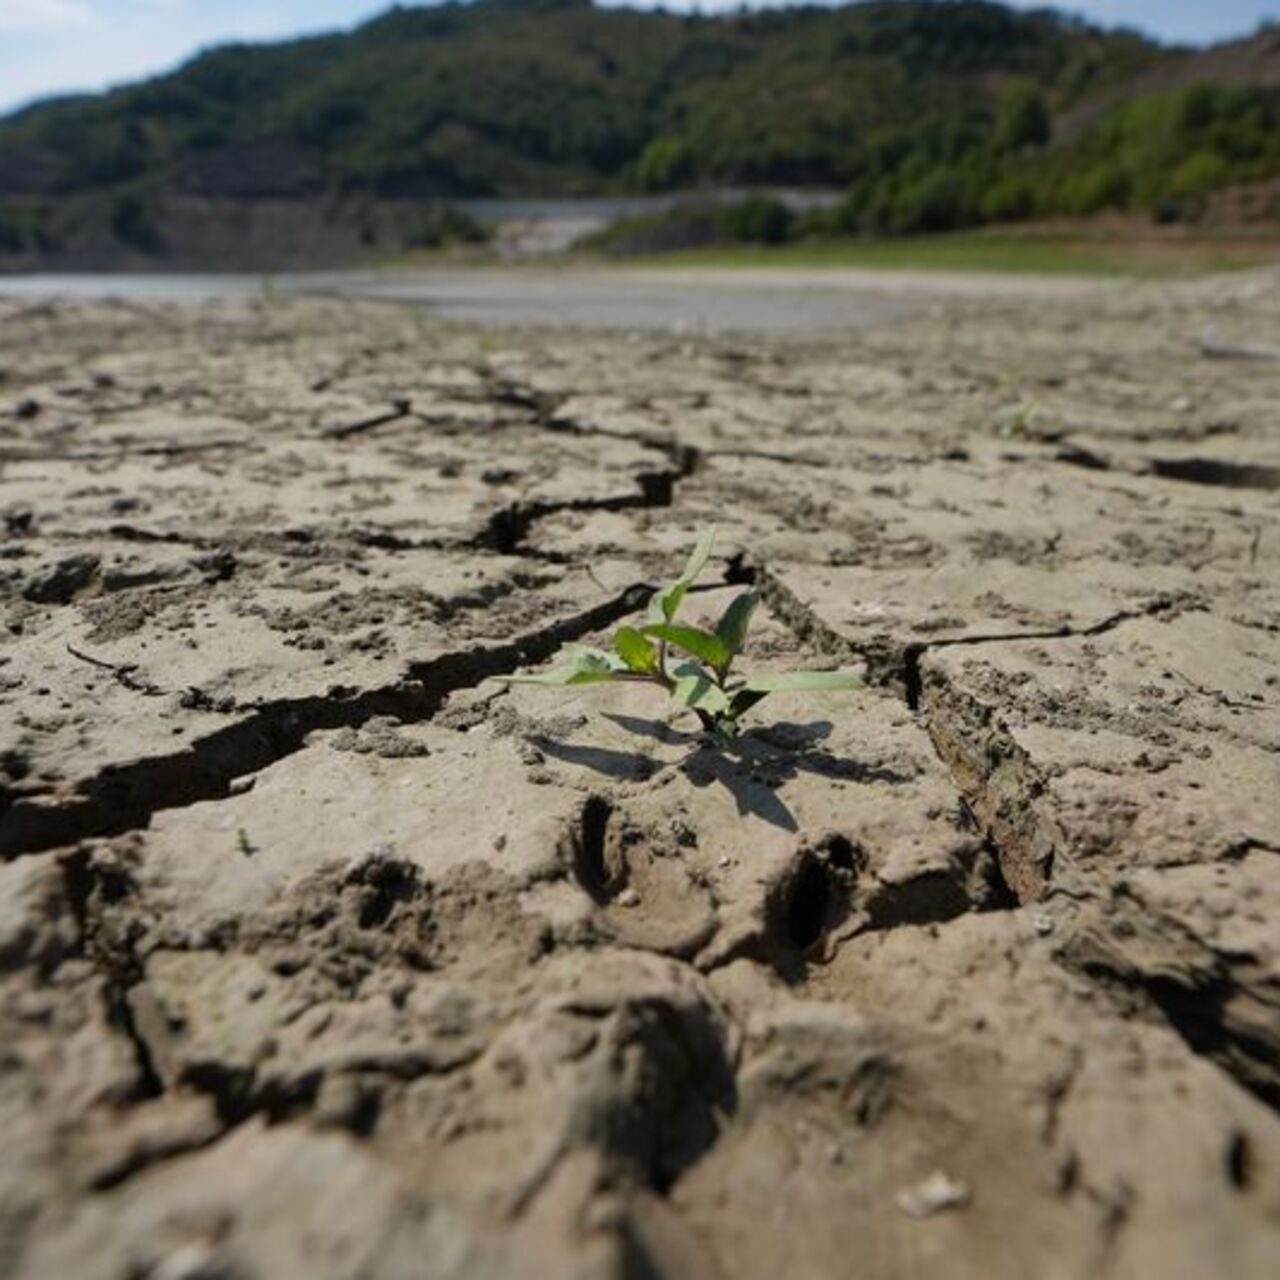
[{"x": 1150, "y": 256}]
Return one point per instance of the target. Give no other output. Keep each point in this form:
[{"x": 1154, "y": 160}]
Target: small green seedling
[{"x": 703, "y": 681}]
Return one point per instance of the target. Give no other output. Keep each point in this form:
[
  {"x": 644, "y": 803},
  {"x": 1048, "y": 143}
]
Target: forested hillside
[{"x": 932, "y": 115}]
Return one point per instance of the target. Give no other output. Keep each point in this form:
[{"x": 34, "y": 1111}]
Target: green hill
[{"x": 932, "y": 115}]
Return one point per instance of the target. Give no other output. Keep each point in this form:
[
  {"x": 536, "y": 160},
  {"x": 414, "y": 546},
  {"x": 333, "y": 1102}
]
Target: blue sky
[{"x": 55, "y": 46}]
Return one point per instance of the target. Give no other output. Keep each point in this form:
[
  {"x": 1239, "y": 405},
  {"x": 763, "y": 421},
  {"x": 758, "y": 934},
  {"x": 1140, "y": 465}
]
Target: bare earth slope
[{"x": 319, "y": 956}]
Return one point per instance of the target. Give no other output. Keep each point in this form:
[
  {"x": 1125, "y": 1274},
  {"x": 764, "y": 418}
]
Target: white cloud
[{"x": 44, "y": 15}]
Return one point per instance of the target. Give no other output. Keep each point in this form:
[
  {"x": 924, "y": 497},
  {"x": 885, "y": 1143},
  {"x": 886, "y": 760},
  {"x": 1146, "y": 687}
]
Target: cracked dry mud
[{"x": 320, "y": 956}]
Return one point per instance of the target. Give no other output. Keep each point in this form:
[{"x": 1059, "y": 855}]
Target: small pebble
[
  {"x": 628, "y": 898},
  {"x": 187, "y": 1262},
  {"x": 936, "y": 1194}
]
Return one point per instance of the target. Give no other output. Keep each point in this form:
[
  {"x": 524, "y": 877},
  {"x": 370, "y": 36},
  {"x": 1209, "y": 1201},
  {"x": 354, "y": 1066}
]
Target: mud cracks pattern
[{"x": 319, "y": 954}]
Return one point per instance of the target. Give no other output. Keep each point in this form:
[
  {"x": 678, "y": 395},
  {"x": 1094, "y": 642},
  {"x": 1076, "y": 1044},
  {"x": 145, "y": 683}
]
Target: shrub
[
  {"x": 756, "y": 220},
  {"x": 133, "y": 222}
]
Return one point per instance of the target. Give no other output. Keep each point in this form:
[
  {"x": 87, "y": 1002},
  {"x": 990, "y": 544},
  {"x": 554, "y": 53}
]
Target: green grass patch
[{"x": 1030, "y": 255}]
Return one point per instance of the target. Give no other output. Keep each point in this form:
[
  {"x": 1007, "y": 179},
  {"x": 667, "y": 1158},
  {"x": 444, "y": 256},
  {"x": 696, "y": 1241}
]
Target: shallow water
[{"x": 607, "y": 300}]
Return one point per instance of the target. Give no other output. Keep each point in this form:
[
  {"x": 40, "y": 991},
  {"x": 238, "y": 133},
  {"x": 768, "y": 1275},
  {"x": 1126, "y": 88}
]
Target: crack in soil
[
  {"x": 1215, "y": 472},
  {"x": 914, "y": 652},
  {"x": 546, "y": 414},
  {"x": 122, "y": 673},
  {"x": 399, "y": 409},
  {"x": 666, "y": 1062},
  {"x": 122, "y": 798},
  {"x": 997, "y": 780},
  {"x": 509, "y": 526},
  {"x": 124, "y": 454}
]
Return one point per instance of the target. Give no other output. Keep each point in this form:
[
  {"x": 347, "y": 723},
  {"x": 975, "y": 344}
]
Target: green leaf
[
  {"x": 687, "y": 667},
  {"x": 664, "y": 604},
  {"x": 756, "y": 688},
  {"x": 585, "y": 653},
  {"x": 798, "y": 681},
  {"x": 699, "y": 557},
  {"x": 562, "y": 676},
  {"x": 586, "y": 666},
  {"x": 697, "y": 691},
  {"x": 635, "y": 650},
  {"x": 732, "y": 627},
  {"x": 702, "y": 644}
]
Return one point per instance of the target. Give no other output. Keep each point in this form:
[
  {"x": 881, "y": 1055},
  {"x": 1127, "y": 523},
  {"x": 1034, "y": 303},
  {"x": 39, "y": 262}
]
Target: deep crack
[{"x": 122, "y": 798}]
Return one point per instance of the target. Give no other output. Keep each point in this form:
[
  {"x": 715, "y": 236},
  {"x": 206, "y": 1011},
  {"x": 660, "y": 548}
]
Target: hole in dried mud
[
  {"x": 808, "y": 904},
  {"x": 843, "y": 853},
  {"x": 386, "y": 883},
  {"x": 1238, "y": 1161},
  {"x": 588, "y": 850},
  {"x": 805, "y": 904},
  {"x": 687, "y": 1086}
]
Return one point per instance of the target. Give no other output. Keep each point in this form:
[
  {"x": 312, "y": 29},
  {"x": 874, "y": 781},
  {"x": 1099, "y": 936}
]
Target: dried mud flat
[{"x": 320, "y": 956}]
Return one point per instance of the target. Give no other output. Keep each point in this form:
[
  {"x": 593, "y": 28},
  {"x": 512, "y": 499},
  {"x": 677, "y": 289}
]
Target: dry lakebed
[{"x": 323, "y": 955}]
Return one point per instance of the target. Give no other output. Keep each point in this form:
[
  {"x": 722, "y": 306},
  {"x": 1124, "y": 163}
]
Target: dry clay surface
[{"x": 321, "y": 956}]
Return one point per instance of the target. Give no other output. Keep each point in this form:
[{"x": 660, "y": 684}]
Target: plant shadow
[
  {"x": 622, "y": 766},
  {"x": 751, "y": 768}
]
